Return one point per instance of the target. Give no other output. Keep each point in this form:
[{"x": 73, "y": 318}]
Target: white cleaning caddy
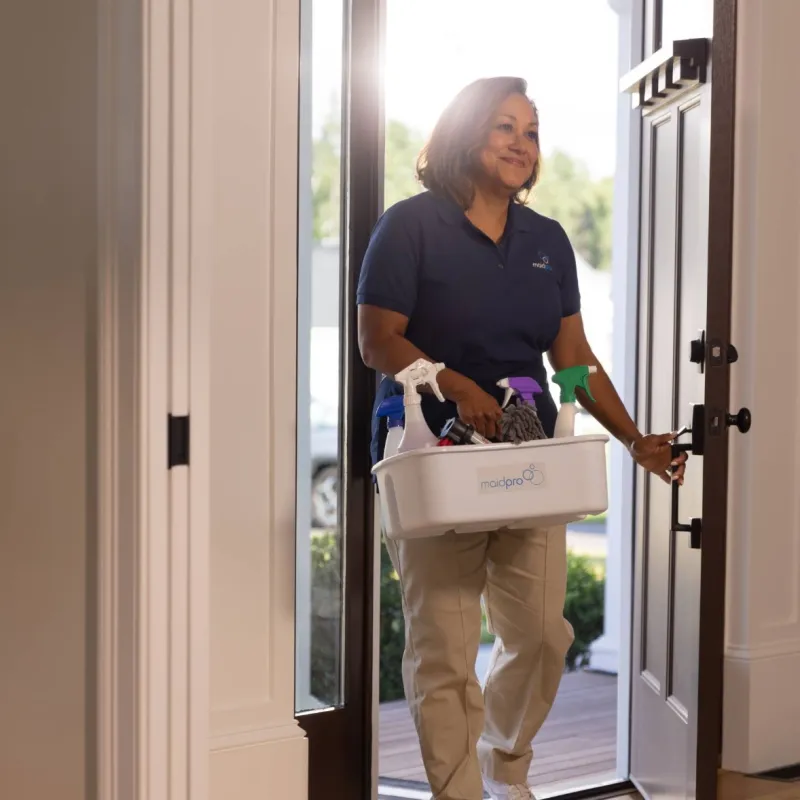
[{"x": 431, "y": 491}]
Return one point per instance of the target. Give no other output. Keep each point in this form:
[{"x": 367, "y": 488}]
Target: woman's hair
[{"x": 448, "y": 162}]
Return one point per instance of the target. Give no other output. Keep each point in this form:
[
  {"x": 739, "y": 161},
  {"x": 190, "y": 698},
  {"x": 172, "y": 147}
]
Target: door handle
[
  {"x": 743, "y": 420},
  {"x": 695, "y": 525},
  {"x": 697, "y": 447},
  {"x": 698, "y": 431}
]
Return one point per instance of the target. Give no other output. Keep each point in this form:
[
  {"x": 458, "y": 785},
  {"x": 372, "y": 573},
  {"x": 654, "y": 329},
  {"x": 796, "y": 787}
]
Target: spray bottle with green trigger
[
  {"x": 417, "y": 433},
  {"x": 569, "y": 380}
]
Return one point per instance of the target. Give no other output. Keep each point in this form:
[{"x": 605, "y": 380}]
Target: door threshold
[{"x": 413, "y": 790}]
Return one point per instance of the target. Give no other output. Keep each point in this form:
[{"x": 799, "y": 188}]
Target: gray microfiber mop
[{"x": 520, "y": 423}]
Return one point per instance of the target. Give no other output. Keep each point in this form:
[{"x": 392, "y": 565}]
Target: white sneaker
[{"x": 502, "y": 791}]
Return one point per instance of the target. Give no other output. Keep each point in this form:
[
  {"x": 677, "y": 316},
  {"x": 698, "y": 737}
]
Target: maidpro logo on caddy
[{"x": 511, "y": 478}]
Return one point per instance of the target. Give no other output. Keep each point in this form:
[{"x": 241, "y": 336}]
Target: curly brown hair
[{"x": 447, "y": 163}]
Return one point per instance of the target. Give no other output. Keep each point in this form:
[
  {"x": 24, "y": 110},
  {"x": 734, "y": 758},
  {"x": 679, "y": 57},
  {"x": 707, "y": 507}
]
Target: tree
[
  {"x": 566, "y": 192},
  {"x": 326, "y": 179},
  {"x": 402, "y": 148}
]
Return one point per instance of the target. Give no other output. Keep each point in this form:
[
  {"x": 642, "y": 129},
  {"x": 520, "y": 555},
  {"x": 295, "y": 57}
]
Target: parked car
[{"x": 324, "y": 476}]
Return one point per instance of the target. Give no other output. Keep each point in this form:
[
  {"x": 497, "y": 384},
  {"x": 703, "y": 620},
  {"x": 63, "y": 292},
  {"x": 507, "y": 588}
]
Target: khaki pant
[{"x": 463, "y": 731}]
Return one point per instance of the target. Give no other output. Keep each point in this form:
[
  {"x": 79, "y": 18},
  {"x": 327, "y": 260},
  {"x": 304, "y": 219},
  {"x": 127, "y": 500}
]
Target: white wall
[
  {"x": 48, "y": 234},
  {"x": 762, "y": 664}
]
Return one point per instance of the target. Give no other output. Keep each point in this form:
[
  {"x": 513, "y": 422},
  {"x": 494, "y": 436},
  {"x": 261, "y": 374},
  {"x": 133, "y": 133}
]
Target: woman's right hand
[{"x": 478, "y": 408}]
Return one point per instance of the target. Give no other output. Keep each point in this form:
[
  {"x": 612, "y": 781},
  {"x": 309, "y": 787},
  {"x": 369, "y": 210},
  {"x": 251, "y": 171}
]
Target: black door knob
[
  {"x": 697, "y": 349},
  {"x": 743, "y": 420}
]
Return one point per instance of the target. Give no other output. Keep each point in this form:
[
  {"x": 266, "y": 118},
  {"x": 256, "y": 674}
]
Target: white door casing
[{"x": 198, "y": 181}]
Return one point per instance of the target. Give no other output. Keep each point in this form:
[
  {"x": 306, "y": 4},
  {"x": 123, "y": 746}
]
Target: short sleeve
[
  {"x": 570, "y": 291},
  {"x": 389, "y": 272}
]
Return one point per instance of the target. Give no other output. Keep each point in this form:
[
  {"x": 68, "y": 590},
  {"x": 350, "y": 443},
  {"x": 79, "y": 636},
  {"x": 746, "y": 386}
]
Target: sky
[{"x": 435, "y": 47}]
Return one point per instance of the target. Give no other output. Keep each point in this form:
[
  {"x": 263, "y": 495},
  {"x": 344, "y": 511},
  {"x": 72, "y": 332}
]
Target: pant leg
[
  {"x": 525, "y": 594},
  {"x": 442, "y": 580}
]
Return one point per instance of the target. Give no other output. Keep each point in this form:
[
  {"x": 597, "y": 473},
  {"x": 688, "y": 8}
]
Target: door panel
[
  {"x": 656, "y": 549},
  {"x": 693, "y": 120}
]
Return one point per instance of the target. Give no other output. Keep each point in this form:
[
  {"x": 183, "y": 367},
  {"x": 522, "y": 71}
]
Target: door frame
[
  {"x": 713, "y": 567},
  {"x": 154, "y": 219},
  {"x": 341, "y": 739}
]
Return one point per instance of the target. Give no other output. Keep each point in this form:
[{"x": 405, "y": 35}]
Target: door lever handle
[
  {"x": 695, "y": 526},
  {"x": 698, "y": 430}
]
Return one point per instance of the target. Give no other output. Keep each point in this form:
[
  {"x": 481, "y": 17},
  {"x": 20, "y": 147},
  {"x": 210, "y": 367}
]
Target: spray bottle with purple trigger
[{"x": 526, "y": 388}]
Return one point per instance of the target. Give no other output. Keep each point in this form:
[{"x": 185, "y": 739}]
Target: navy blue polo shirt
[{"x": 487, "y": 310}]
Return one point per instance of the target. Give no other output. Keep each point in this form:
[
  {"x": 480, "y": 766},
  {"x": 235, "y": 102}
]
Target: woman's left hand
[{"x": 654, "y": 453}]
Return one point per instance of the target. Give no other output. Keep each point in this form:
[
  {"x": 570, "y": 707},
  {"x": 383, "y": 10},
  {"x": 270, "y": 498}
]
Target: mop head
[{"x": 520, "y": 423}]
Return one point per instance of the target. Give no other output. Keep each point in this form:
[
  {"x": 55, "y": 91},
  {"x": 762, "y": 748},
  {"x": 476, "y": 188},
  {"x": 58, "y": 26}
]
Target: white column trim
[
  {"x": 758, "y": 652},
  {"x": 153, "y": 220},
  {"x": 167, "y": 143}
]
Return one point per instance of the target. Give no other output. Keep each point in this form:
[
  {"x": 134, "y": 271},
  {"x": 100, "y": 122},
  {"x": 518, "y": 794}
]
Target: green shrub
[
  {"x": 583, "y": 608},
  {"x": 326, "y": 622},
  {"x": 392, "y": 632},
  {"x": 326, "y": 617}
]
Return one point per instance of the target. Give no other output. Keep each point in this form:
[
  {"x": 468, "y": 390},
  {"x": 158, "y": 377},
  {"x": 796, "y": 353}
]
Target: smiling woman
[
  {"x": 494, "y": 125},
  {"x": 468, "y": 275}
]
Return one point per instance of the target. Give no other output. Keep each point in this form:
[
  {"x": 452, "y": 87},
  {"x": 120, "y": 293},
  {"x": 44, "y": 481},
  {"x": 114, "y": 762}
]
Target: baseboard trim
[
  {"x": 761, "y": 715},
  {"x": 789, "y": 774}
]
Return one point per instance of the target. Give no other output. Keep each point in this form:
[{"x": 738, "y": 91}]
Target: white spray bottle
[
  {"x": 569, "y": 380},
  {"x": 417, "y": 434}
]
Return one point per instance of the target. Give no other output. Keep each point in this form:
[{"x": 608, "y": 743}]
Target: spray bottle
[
  {"x": 526, "y": 388},
  {"x": 569, "y": 380},
  {"x": 392, "y": 409},
  {"x": 417, "y": 433}
]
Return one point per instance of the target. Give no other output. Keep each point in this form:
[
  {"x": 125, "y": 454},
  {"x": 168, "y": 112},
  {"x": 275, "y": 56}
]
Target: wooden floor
[{"x": 576, "y": 746}]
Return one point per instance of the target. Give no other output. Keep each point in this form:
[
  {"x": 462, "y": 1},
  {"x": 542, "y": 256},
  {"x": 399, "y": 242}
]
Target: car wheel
[{"x": 325, "y": 497}]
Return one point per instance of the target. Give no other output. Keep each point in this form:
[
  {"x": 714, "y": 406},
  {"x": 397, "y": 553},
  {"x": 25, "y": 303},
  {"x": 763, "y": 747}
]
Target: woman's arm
[
  {"x": 571, "y": 349},
  {"x": 384, "y": 348}
]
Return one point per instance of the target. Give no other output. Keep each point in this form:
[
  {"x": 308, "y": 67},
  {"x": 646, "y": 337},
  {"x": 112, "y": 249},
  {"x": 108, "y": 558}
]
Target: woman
[{"x": 466, "y": 274}]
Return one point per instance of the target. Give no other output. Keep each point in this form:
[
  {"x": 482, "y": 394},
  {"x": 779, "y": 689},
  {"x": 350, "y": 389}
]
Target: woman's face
[{"x": 510, "y": 154}]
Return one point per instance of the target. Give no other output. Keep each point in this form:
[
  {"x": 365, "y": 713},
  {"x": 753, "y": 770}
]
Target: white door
[{"x": 684, "y": 361}]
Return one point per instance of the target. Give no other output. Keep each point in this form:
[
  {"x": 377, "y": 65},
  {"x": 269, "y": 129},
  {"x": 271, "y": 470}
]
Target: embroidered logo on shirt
[{"x": 543, "y": 262}]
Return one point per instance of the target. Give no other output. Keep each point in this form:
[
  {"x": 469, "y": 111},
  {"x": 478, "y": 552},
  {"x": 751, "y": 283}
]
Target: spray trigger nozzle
[
  {"x": 417, "y": 374},
  {"x": 573, "y": 378},
  {"x": 526, "y": 388}
]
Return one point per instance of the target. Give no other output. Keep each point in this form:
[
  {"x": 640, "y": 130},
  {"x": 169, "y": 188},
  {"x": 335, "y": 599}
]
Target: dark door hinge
[{"x": 177, "y": 441}]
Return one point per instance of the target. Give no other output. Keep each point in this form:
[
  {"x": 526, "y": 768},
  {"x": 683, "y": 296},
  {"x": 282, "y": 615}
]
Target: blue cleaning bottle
[{"x": 393, "y": 410}]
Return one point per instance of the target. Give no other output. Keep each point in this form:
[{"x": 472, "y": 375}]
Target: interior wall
[
  {"x": 47, "y": 256},
  {"x": 762, "y": 662}
]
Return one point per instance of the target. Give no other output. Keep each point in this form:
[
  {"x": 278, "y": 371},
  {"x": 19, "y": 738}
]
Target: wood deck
[{"x": 577, "y": 744}]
